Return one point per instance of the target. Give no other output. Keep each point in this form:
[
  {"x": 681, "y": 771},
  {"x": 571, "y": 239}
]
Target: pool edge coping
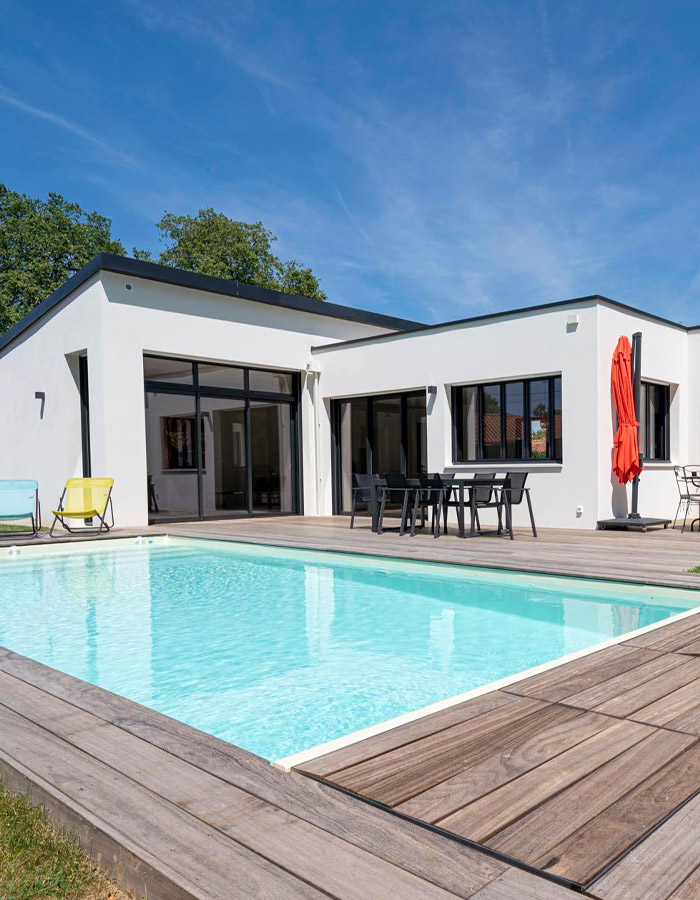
[{"x": 288, "y": 763}]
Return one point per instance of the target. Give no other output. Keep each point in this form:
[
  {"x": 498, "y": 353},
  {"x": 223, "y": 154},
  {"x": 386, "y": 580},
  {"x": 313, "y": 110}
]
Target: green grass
[
  {"x": 38, "y": 862},
  {"x": 695, "y": 570}
]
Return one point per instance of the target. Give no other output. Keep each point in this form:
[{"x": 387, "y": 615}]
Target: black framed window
[
  {"x": 221, "y": 440},
  {"x": 654, "y": 430},
  {"x": 508, "y": 420}
]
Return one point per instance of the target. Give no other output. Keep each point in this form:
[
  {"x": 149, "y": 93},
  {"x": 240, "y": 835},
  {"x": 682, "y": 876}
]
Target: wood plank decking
[
  {"x": 590, "y": 770},
  {"x": 177, "y": 814}
]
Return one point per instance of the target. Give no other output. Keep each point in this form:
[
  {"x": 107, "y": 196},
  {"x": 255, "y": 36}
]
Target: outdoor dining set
[{"x": 431, "y": 497}]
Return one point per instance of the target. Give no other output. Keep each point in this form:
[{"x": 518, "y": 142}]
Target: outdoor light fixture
[
  {"x": 572, "y": 322},
  {"x": 432, "y": 390},
  {"x": 40, "y": 395}
]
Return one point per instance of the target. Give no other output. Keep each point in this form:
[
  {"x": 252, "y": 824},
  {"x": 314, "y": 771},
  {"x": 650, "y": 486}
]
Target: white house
[{"x": 206, "y": 398}]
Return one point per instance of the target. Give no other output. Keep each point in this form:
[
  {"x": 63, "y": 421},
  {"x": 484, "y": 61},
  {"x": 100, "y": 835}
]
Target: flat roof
[
  {"x": 485, "y": 317},
  {"x": 137, "y": 268}
]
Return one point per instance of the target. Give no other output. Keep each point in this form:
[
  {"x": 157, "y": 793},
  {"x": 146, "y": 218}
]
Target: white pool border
[
  {"x": 82, "y": 545},
  {"x": 287, "y": 763}
]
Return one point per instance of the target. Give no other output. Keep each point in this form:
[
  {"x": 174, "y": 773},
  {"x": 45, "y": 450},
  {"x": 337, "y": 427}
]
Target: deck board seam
[{"x": 513, "y": 862}]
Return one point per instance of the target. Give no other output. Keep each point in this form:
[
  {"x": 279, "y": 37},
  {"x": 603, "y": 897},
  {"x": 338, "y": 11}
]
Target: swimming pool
[{"x": 279, "y": 650}]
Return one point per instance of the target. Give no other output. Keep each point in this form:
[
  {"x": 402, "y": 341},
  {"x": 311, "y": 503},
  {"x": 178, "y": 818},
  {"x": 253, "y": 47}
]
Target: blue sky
[{"x": 431, "y": 160}]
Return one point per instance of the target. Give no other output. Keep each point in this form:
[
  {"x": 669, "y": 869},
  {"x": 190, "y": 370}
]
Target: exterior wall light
[
  {"x": 432, "y": 390},
  {"x": 41, "y": 396}
]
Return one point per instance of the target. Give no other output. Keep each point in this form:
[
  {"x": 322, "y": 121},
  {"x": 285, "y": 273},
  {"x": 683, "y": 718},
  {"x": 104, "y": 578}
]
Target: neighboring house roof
[{"x": 137, "y": 268}]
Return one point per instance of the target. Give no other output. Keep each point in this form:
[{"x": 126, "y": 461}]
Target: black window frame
[
  {"x": 336, "y": 455},
  {"x": 246, "y": 394},
  {"x": 458, "y": 437},
  {"x": 645, "y": 432}
]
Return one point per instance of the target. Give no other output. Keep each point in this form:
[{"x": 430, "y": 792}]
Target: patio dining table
[{"x": 462, "y": 487}]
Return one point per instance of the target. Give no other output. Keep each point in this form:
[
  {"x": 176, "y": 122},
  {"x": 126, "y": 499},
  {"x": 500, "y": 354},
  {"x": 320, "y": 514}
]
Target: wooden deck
[
  {"x": 590, "y": 770},
  {"x": 177, "y": 814},
  {"x": 587, "y": 773}
]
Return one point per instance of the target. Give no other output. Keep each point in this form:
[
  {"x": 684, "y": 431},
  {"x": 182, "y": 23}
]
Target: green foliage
[
  {"x": 41, "y": 243},
  {"x": 213, "y": 244},
  {"x": 37, "y": 861}
]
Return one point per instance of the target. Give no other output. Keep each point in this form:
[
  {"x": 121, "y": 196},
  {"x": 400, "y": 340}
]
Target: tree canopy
[
  {"x": 213, "y": 244},
  {"x": 42, "y": 242}
]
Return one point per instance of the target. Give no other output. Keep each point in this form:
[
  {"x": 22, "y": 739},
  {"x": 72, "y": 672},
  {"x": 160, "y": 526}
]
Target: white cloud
[{"x": 10, "y": 99}]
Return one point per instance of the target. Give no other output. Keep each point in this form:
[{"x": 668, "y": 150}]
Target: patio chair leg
[
  {"x": 678, "y": 509},
  {"x": 478, "y": 521},
  {"x": 532, "y": 518},
  {"x": 404, "y": 513},
  {"x": 437, "y": 517},
  {"x": 685, "y": 516},
  {"x": 509, "y": 519},
  {"x": 499, "y": 510},
  {"x": 381, "y": 513},
  {"x": 352, "y": 508},
  {"x": 415, "y": 514}
]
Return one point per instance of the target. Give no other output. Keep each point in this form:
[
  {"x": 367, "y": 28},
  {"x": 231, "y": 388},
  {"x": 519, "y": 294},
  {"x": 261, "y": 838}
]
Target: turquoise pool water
[{"x": 278, "y": 650}]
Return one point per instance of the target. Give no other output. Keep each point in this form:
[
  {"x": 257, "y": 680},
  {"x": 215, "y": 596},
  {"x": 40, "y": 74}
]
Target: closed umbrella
[{"x": 626, "y": 462}]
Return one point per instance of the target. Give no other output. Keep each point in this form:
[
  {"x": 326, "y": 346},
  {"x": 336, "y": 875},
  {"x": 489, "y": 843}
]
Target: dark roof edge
[
  {"x": 555, "y": 304},
  {"x": 137, "y": 268}
]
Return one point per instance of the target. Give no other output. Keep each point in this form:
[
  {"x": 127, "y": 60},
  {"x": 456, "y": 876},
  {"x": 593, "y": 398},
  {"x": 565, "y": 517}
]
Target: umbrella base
[{"x": 640, "y": 522}]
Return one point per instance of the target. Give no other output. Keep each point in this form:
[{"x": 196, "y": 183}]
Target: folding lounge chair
[
  {"x": 85, "y": 498},
  {"x": 19, "y": 499}
]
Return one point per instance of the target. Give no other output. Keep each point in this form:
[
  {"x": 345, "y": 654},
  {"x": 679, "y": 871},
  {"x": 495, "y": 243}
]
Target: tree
[
  {"x": 213, "y": 244},
  {"x": 41, "y": 243}
]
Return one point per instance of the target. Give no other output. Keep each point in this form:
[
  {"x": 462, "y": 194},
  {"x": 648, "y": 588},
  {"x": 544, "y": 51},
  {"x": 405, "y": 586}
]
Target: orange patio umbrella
[{"x": 626, "y": 462}]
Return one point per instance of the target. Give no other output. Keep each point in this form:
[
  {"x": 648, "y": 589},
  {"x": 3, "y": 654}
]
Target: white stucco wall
[
  {"x": 518, "y": 346},
  {"x": 115, "y": 326},
  {"x": 45, "y": 358},
  {"x": 526, "y": 346}
]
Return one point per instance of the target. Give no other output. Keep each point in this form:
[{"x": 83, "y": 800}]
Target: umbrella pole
[{"x": 637, "y": 391}]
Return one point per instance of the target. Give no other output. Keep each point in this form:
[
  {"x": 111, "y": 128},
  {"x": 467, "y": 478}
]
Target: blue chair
[{"x": 19, "y": 499}]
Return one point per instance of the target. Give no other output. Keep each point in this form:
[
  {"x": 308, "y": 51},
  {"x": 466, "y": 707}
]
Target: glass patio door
[
  {"x": 220, "y": 440},
  {"x": 224, "y": 456},
  {"x": 271, "y": 456},
  {"x": 382, "y": 435}
]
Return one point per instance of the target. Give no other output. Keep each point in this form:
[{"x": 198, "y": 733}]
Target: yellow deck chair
[{"x": 85, "y": 498}]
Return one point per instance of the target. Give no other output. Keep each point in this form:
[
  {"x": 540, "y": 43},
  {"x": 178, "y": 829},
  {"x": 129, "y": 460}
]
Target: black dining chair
[
  {"x": 395, "y": 492},
  {"x": 426, "y": 499},
  {"x": 447, "y": 499},
  {"x": 484, "y": 496},
  {"x": 513, "y": 493},
  {"x": 362, "y": 491}
]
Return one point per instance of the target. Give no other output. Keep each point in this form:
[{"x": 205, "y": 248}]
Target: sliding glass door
[
  {"x": 382, "y": 434},
  {"x": 220, "y": 440}
]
